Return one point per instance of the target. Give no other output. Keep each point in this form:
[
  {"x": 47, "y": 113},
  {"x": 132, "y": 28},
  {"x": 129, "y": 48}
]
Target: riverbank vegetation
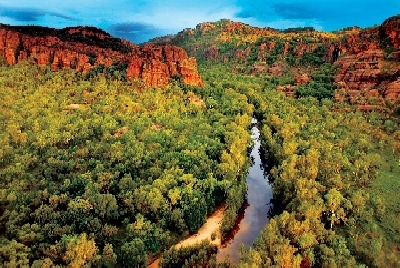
[
  {"x": 103, "y": 172},
  {"x": 335, "y": 173}
]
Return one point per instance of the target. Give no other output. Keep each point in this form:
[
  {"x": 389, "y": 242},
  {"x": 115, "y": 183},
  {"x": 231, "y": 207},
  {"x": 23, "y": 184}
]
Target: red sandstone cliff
[
  {"x": 369, "y": 72},
  {"x": 83, "y": 48},
  {"x": 369, "y": 65}
]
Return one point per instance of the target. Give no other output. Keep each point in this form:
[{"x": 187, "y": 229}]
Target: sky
[{"x": 139, "y": 20}]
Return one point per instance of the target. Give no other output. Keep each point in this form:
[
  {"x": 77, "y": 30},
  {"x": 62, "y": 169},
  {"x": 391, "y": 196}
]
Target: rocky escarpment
[
  {"x": 230, "y": 41},
  {"x": 368, "y": 65},
  {"x": 369, "y": 72},
  {"x": 367, "y": 59},
  {"x": 83, "y": 48},
  {"x": 367, "y": 76},
  {"x": 390, "y": 29}
]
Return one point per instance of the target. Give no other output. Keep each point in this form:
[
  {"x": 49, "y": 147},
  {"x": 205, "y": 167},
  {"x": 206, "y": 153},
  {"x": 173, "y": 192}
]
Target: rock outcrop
[
  {"x": 84, "y": 48},
  {"x": 289, "y": 90},
  {"x": 368, "y": 59},
  {"x": 369, "y": 73},
  {"x": 390, "y": 29},
  {"x": 368, "y": 67}
]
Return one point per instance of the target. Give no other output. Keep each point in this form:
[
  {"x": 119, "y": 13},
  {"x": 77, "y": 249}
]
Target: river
[{"x": 254, "y": 215}]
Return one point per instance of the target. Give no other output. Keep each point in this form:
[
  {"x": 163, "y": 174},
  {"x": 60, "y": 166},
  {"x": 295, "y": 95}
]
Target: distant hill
[{"x": 367, "y": 60}]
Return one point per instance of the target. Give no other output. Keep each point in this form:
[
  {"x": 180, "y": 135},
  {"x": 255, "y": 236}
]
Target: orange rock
[
  {"x": 391, "y": 27},
  {"x": 187, "y": 68},
  {"x": 277, "y": 69},
  {"x": 303, "y": 79},
  {"x": 134, "y": 69},
  {"x": 153, "y": 64},
  {"x": 155, "y": 73},
  {"x": 363, "y": 73},
  {"x": 392, "y": 91},
  {"x": 120, "y": 132},
  {"x": 286, "y": 48},
  {"x": 287, "y": 89}
]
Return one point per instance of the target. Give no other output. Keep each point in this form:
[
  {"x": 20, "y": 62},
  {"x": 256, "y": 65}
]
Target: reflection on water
[{"x": 254, "y": 214}]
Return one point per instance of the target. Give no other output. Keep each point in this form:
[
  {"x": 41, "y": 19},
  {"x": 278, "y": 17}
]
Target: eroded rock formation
[
  {"x": 83, "y": 48},
  {"x": 369, "y": 73}
]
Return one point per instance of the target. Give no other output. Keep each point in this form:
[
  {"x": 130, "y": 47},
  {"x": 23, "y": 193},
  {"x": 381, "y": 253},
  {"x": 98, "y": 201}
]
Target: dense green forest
[
  {"x": 111, "y": 167},
  {"x": 99, "y": 171},
  {"x": 336, "y": 174}
]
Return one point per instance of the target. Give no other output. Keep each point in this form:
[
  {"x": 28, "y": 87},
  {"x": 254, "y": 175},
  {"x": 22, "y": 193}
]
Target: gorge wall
[
  {"x": 369, "y": 71},
  {"x": 84, "y": 48},
  {"x": 367, "y": 60}
]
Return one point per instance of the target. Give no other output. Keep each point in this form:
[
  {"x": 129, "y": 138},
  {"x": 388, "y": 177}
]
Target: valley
[{"x": 112, "y": 153}]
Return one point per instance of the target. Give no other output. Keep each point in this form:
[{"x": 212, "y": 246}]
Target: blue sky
[{"x": 139, "y": 20}]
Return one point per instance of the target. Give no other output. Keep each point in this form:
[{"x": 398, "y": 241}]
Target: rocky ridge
[
  {"x": 84, "y": 48},
  {"x": 369, "y": 70},
  {"x": 368, "y": 59}
]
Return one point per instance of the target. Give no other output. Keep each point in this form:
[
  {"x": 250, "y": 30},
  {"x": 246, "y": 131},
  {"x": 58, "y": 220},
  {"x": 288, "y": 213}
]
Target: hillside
[
  {"x": 366, "y": 61},
  {"x": 91, "y": 51}
]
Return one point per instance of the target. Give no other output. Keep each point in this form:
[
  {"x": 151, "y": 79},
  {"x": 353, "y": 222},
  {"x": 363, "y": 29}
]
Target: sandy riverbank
[{"x": 212, "y": 224}]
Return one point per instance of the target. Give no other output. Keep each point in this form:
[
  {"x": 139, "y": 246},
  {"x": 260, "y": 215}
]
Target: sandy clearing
[
  {"x": 154, "y": 264},
  {"x": 212, "y": 224}
]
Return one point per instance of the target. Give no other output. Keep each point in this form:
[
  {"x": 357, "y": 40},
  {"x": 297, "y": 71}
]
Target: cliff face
[
  {"x": 367, "y": 75},
  {"x": 368, "y": 60},
  {"x": 83, "y": 48},
  {"x": 226, "y": 41},
  {"x": 390, "y": 29},
  {"x": 370, "y": 69}
]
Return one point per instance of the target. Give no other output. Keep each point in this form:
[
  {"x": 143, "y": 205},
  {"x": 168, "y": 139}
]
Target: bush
[
  {"x": 201, "y": 254},
  {"x": 213, "y": 236}
]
